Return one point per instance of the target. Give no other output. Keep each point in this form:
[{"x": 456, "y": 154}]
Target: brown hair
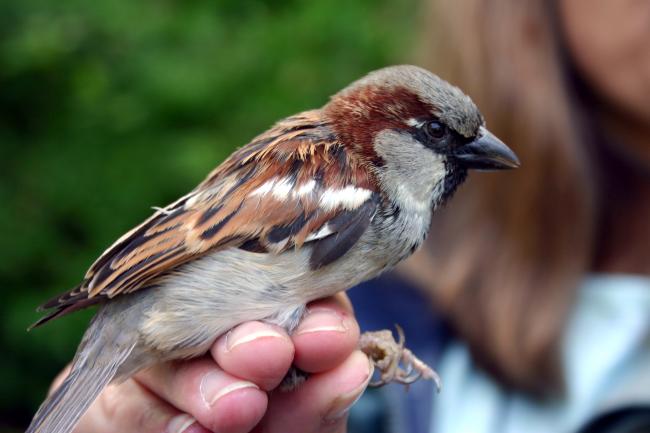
[{"x": 509, "y": 250}]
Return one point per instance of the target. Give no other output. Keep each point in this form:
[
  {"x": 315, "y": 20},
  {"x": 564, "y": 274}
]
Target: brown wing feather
[{"x": 255, "y": 196}]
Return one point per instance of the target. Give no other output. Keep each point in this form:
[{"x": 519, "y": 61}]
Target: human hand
[{"x": 231, "y": 389}]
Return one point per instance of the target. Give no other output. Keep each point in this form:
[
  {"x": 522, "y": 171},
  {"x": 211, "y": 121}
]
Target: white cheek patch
[
  {"x": 349, "y": 197},
  {"x": 407, "y": 200},
  {"x": 412, "y": 174}
]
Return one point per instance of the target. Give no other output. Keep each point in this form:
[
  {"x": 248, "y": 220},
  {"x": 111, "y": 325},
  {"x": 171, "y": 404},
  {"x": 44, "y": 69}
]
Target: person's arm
[{"x": 231, "y": 390}]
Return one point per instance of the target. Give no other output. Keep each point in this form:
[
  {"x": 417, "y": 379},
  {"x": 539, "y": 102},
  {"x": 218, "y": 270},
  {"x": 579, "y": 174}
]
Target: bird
[{"x": 321, "y": 201}]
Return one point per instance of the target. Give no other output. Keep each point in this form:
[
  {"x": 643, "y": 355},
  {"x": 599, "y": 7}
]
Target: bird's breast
[
  {"x": 204, "y": 298},
  {"x": 400, "y": 231}
]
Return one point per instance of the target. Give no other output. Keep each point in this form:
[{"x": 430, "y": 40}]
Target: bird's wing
[{"x": 291, "y": 186}]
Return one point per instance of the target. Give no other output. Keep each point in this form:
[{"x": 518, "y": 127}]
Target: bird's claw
[{"x": 394, "y": 362}]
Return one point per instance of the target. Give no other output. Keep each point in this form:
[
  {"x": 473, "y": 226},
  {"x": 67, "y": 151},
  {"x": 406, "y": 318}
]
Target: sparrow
[{"x": 322, "y": 201}]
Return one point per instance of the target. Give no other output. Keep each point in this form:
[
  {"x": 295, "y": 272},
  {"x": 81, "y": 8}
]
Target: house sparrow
[{"x": 322, "y": 201}]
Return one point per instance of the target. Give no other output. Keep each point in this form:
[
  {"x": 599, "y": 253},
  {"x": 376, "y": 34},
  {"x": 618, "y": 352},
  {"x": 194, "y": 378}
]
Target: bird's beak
[{"x": 486, "y": 152}]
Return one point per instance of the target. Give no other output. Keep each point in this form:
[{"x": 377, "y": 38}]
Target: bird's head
[{"x": 417, "y": 132}]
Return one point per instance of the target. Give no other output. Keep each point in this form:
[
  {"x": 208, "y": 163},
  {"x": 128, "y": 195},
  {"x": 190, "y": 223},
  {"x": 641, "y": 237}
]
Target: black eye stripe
[
  {"x": 427, "y": 133},
  {"x": 435, "y": 129},
  {"x": 432, "y": 133}
]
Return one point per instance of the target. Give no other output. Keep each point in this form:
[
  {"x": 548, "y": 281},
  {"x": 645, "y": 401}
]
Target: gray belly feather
[{"x": 203, "y": 299}]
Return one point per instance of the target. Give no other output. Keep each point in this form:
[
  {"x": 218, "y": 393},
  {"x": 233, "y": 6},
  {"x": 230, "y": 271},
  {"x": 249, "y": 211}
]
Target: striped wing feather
[{"x": 292, "y": 185}]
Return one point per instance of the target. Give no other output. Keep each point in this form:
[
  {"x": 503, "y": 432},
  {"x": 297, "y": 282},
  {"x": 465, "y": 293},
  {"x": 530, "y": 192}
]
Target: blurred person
[
  {"x": 533, "y": 295},
  {"x": 542, "y": 275}
]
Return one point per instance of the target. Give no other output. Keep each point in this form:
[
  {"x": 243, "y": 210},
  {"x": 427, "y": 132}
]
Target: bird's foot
[{"x": 394, "y": 362}]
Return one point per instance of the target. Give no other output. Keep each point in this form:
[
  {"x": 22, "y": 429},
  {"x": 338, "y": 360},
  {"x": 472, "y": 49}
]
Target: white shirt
[{"x": 605, "y": 357}]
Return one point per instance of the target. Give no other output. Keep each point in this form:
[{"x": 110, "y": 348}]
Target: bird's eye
[{"x": 435, "y": 129}]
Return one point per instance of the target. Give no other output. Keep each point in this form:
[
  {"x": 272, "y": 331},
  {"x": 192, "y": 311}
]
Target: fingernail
[
  {"x": 250, "y": 332},
  {"x": 180, "y": 423},
  {"x": 216, "y": 385},
  {"x": 342, "y": 404},
  {"x": 322, "y": 320}
]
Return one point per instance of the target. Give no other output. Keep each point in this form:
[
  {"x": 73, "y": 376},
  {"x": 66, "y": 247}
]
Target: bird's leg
[
  {"x": 293, "y": 379},
  {"x": 289, "y": 320},
  {"x": 394, "y": 362}
]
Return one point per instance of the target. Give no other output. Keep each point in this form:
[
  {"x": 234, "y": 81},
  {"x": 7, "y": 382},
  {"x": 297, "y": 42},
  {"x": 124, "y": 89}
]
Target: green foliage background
[{"x": 109, "y": 107}]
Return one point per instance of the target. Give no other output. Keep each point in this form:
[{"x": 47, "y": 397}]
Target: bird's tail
[{"x": 95, "y": 365}]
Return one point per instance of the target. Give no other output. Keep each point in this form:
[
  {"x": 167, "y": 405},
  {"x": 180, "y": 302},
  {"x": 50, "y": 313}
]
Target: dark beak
[{"x": 486, "y": 152}]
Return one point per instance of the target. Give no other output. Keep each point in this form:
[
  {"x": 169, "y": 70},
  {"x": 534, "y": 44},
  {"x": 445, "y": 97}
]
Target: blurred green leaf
[{"x": 110, "y": 107}]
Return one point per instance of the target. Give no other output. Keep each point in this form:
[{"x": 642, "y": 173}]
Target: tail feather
[{"x": 61, "y": 411}]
